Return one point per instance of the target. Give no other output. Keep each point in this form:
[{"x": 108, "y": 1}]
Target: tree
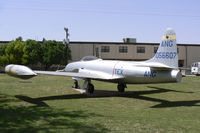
[
  {"x": 14, "y": 51},
  {"x": 3, "y": 58},
  {"x": 19, "y": 39},
  {"x": 53, "y": 53},
  {"x": 2, "y": 49},
  {"x": 32, "y": 52}
]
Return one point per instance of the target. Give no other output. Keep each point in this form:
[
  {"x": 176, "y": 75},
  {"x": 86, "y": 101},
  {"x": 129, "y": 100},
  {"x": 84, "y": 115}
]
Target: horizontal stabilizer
[{"x": 157, "y": 66}]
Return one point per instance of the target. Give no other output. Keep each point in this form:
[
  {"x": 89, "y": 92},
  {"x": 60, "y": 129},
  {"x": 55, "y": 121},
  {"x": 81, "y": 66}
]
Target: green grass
[{"x": 49, "y": 104}]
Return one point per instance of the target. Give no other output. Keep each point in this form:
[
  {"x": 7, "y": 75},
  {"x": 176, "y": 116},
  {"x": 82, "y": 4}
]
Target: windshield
[{"x": 89, "y": 58}]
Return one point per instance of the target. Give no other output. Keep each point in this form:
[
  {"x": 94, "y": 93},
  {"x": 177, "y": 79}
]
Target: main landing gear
[
  {"x": 76, "y": 86},
  {"x": 121, "y": 87},
  {"x": 88, "y": 87}
]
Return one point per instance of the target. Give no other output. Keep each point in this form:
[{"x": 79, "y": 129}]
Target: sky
[{"x": 100, "y": 20}]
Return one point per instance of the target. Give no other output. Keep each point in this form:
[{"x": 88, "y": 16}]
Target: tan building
[{"x": 188, "y": 53}]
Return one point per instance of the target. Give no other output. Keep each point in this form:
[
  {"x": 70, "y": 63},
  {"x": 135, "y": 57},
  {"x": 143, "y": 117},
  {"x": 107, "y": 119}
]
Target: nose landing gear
[{"x": 121, "y": 87}]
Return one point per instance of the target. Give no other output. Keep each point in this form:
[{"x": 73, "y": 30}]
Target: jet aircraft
[{"x": 162, "y": 68}]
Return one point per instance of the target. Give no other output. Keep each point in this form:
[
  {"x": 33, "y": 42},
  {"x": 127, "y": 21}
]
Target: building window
[
  {"x": 180, "y": 63},
  {"x": 105, "y": 49},
  {"x": 177, "y": 50},
  {"x": 140, "y": 49},
  {"x": 97, "y": 52},
  {"x": 123, "y": 49},
  {"x": 155, "y": 49}
]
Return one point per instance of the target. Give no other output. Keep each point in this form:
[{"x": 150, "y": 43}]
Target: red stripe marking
[{"x": 114, "y": 67}]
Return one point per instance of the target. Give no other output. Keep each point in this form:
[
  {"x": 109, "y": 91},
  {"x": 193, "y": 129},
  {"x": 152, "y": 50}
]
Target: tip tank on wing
[{"x": 19, "y": 71}]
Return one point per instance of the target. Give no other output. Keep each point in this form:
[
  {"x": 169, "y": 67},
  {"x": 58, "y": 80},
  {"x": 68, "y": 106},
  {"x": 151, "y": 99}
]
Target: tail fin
[{"x": 167, "y": 50}]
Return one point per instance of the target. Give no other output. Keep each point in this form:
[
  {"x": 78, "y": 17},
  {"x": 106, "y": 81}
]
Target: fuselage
[{"x": 128, "y": 71}]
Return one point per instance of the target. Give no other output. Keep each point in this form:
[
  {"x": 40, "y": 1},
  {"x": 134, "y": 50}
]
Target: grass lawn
[{"x": 49, "y": 104}]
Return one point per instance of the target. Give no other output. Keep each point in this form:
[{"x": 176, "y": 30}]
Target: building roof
[
  {"x": 115, "y": 43},
  {"x": 121, "y": 43}
]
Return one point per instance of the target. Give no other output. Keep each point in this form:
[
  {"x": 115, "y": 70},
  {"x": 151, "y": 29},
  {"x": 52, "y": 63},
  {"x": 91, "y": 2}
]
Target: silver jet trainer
[{"x": 162, "y": 68}]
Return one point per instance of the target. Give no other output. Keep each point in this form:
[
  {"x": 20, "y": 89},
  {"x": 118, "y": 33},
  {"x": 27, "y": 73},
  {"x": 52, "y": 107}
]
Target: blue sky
[{"x": 100, "y": 20}]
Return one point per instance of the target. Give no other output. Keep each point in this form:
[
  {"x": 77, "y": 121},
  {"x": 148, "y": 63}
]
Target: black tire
[
  {"x": 121, "y": 87},
  {"x": 90, "y": 88}
]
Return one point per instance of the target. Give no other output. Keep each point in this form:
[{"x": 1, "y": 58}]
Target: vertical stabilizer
[{"x": 167, "y": 50}]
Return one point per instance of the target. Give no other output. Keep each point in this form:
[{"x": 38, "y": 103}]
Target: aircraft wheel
[
  {"x": 90, "y": 88},
  {"x": 121, "y": 87}
]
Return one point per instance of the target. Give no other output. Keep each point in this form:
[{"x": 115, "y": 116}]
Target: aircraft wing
[{"x": 82, "y": 74}]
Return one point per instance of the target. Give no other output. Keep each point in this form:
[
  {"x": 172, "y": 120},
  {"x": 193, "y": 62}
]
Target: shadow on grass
[
  {"x": 34, "y": 119},
  {"x": 128, "y": 94}
]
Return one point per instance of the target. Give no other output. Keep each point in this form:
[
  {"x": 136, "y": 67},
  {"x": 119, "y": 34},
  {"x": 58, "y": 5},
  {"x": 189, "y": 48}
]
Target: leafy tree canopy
[
  {"x": 54, "y": 53},
  {"x": 32, "y": 52}
]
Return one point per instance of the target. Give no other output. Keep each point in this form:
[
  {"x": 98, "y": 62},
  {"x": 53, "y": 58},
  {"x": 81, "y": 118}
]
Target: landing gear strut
[
  {"x": 121, "y": 87},
  {"x": 87, "y": 87},
  {"x": 76, "y": 86}
]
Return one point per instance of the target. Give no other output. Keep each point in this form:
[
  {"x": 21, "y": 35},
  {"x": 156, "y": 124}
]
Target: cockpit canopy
[{"x": 89, "y": 58}]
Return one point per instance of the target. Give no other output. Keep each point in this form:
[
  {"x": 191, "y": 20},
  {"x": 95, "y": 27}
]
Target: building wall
[
  {"x": 130, "y": 55},
  {"x": 81, "y": 50},
  {"x": 193, "y": 55},
  {"x": 187, "y": 53},
  {"x": 182, "y": 55},
  {"x": 114, "y": 52},
  {"x": 143, "y": 56}
]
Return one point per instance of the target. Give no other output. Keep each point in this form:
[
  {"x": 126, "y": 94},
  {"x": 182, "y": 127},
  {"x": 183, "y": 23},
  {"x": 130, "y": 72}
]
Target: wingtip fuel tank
[{"x": 19, "y": 71}]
